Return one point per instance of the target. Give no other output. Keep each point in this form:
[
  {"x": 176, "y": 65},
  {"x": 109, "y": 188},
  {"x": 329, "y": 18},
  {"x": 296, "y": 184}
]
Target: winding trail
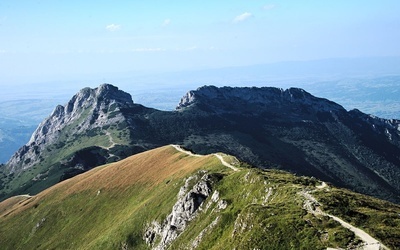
[
  {"x": 111, "y": 141},
  {"x": 223, "y": 162},
  {"x": 370, "y": 243},
  {"x": 110, "y": 138},
  {"x": 312, "y": 206}
]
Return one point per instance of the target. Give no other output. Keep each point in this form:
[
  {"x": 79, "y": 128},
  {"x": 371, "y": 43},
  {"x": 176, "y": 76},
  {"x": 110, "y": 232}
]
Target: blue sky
[{"x": 51, "y": 40}]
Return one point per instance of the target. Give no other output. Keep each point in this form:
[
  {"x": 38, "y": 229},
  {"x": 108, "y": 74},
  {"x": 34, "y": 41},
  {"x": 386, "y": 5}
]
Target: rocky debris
[
  {"x": 184, "y": 210},
  {"x": 243, "y": 223},
  {"x": 268, "y": 194},
  {"x": 310, "y": 204},
  {"x": 195, "y": 243},
  {"x": 38, "y": 225},
  {"x": 221, "y": 204}
]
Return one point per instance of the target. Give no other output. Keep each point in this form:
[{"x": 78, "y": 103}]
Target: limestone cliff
[{"x": 87, "y": 110}]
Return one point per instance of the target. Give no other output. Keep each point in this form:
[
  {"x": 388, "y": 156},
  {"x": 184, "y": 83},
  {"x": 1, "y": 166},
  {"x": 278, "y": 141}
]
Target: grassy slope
[
  {"x": 129, "y": 190},
  {"x": 110, "y": 206},
  {"x": 48, "y": 169}
]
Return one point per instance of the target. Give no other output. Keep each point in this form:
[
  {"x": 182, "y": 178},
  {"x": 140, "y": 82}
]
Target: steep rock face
[
  {"x": 184, "y": 210},
  {"x": 87, "y": 110}
]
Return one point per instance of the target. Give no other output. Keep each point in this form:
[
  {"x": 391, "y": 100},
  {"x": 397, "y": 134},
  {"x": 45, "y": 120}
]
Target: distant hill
[
  {"x": 170, "y": 199},
  {"x": 270, "y": 128}
]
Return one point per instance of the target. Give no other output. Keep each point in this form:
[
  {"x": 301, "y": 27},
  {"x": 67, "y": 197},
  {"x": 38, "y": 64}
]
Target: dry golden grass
[
  {"x": 12, "y": 203},
  {"x": 146, "y": 169}
]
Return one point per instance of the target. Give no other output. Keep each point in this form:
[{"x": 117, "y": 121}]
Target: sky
[{"x": 53, "y": 40}]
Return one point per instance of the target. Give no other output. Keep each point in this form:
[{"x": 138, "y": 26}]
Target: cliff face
[{"x": 89, "y": 109}]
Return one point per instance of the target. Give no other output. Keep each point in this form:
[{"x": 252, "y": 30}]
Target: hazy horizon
[{"x": 47, "y": 41}]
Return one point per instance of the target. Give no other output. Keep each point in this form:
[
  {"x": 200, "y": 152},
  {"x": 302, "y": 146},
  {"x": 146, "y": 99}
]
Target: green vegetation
[
  {"x": 111, "y": 206},
  {"x": 265, "y": 212},
  {"x": 50, "y": 169},
  {"x": 376, "y": 217}
]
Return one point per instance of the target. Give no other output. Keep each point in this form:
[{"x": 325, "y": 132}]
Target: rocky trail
[
  {"x": 223, "y": 162},
  {"x": 111, "y": 141},
  {"x": 110, "y": 138},
  {"x": 313, "y": 206}
]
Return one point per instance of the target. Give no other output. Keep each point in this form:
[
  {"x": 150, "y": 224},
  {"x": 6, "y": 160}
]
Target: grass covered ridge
[
  {"x": 111, "y": 206},
  {"x": 102, "y": 208}
]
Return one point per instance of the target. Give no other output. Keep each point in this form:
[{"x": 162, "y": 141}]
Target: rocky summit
[
  {"x": 90, "y": 109},
  {"x": 269, "y": 128}
]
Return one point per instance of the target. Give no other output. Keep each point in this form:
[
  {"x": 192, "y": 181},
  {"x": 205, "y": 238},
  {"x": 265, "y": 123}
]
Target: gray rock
[
  {"x": 184, "y": 210},
  {"x": 88, "y": 109}
]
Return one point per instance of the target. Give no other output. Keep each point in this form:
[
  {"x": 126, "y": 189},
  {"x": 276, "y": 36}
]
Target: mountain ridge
[
  {"x": 266, "y": 127},
  {"x": 261, "y": 96},
  {"x": 168, "y": 198}
]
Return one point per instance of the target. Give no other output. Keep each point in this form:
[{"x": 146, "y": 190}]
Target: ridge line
[{"x": 220, "y": 158}]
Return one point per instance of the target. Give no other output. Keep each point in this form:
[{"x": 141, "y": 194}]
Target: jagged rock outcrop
[
  {"x": 184, "y": 210},
  {"x": 87, "y": 110}
]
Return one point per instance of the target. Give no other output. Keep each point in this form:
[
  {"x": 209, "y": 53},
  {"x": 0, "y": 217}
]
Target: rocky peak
[
  {"x": 88, "y": 109},
  {"x": 264, "y": 96},
  {"x": 92, "y": 103}
]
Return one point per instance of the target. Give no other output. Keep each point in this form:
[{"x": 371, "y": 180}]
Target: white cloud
[
  {"x": 113, "y": 27},
  {"x": 269, "y": 6},
  {"x": 242, "y": 17},
  {"x": 2, "y": 51},
  {"x": 148, "y": 50},
  {"x": 190, "y": 48},
  {"x": 166, "y": 22},
  {"x": 194, "y": 47}
]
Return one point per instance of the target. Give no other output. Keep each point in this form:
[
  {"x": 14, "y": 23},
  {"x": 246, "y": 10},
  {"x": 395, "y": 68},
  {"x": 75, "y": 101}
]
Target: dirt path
[
  {"x": 111, "y": 141},
  {"x": 223, "y": 162},
  {"x": 312, "y": 206},
  {"x": 110, "y": 138},
  {"x": 177, "y": 147},
  {"x": 370, "y": 243}
]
